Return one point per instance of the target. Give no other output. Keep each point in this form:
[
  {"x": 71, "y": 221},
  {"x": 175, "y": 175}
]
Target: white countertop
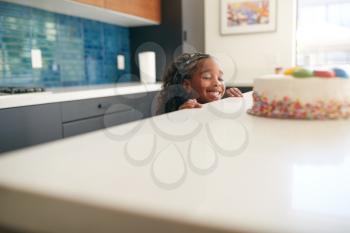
[
  {"x": 75, "y": 93},
  {"x": 214, "y": 169}
]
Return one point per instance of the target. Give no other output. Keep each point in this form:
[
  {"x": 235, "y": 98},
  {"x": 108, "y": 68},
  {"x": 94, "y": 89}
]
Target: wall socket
[
  {"x": 37, "y": 61},
  {"x": 121, "y": 62}
]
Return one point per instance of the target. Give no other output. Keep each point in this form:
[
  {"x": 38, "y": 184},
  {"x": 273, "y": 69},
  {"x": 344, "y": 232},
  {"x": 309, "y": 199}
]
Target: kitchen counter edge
[{"x": 56, "y": 95}]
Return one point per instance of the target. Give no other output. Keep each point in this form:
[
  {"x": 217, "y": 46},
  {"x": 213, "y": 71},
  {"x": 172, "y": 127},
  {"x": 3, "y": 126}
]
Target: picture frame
[{"x": 248, "y": 16}]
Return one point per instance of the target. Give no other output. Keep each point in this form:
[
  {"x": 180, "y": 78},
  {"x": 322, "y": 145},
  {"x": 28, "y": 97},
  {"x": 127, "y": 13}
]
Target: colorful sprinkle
[{"x": 295, "y": 109}]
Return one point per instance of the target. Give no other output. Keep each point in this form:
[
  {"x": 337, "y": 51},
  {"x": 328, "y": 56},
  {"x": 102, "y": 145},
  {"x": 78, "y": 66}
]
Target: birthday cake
[{"x": 299, "y": 93}]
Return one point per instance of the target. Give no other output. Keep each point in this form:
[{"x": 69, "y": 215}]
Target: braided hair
[{"x": 173, "y": 94}]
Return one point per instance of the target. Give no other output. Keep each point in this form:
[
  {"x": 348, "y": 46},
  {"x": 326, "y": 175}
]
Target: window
[{"x": 323, "y": 33}]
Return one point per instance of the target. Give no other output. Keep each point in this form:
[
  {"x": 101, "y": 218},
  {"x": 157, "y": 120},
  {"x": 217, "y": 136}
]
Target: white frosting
[{"x": 303, "y": 89}]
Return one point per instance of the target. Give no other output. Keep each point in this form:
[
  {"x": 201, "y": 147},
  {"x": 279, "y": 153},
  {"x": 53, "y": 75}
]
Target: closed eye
[{"x": 207, "y": 76}]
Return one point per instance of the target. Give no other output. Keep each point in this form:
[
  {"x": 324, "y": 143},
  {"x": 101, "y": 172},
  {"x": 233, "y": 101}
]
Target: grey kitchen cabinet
[
  {"x": 88, "y": 115},
  {"x": 30, "y": 125},
  {"x": 101, "y": 122},
  {"x": 26, "y": 126}
]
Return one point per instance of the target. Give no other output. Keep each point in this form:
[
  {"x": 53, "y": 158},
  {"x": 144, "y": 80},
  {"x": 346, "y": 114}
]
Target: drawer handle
[
  {"x": 115, "y": 108},
  {"x": 104, "y": 106}
]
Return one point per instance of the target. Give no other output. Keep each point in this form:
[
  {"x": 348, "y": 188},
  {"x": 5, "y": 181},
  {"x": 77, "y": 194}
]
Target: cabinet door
[
  {"x": 79, "y": 109},
  {"x": 96, "y": 123},
  {"x": 84, "y": 116},
  {"x": 149, "y": 9},
  {"x": 99, "y": 3},
  {"x": 26, "y": 126},
  {"x": 82, "y": 126}
]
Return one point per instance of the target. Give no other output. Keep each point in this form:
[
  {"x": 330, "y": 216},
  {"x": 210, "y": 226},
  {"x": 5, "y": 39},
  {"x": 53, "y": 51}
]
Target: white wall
[{"x": 254, "y": 54}]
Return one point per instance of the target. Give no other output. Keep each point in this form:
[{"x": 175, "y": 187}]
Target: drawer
[
  {"x": 31, "y": 125},
  {"x": 81, "y": 109},
  {"x": 101, "y": 122}
]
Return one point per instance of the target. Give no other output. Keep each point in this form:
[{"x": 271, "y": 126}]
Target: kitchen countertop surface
[
  {"x": 55, "y": 95},
  {"x": 215, "y": 169}
]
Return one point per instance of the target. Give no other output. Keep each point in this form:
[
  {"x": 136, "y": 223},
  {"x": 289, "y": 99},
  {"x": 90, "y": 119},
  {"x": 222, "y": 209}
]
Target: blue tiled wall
[{"x": 75, "y": 51}]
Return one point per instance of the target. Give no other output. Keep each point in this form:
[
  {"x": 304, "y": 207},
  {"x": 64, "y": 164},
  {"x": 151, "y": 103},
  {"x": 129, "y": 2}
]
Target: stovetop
[{"x": 21, "y": 90}]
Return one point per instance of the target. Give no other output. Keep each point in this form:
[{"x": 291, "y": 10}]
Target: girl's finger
[
  {"x": 227, "y": 92},
  {"x": 187, "y": 104},
  {"x": 197, "y": 105},
  {"x": 236, "y": 92},
  {"x": 230, "y": 92},
  {"x": 192, "y": 103}
]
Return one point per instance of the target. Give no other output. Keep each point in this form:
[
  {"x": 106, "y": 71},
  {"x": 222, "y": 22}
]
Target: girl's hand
[
  {"x": 233, "y": 92},
  {"x": 192, "y": 103}
]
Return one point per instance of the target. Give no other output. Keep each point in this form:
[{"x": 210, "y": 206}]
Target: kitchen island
[{"x": 215, "y": 169}]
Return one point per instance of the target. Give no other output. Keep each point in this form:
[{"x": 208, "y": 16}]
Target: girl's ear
[{"x": 187, "y": 85}]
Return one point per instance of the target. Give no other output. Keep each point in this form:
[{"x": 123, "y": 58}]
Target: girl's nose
[{"x": 216, "y": 82}]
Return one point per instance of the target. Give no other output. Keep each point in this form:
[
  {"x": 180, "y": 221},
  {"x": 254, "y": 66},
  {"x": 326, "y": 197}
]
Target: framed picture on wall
[{"x": 248, "y": 16}]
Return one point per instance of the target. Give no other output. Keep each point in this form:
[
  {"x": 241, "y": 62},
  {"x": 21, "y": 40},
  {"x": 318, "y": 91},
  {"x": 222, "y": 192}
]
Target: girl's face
[{"x": 207, "y": 82}]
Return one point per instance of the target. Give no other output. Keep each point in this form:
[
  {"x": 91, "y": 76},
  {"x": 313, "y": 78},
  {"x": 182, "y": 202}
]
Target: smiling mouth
[{"x": 214, "y": 94}]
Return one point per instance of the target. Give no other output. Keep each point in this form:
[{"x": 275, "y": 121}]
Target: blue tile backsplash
[{"x": 74, "y": 51}]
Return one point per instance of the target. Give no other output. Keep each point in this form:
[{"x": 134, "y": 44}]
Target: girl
[{"x": 192, "y": 80}]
